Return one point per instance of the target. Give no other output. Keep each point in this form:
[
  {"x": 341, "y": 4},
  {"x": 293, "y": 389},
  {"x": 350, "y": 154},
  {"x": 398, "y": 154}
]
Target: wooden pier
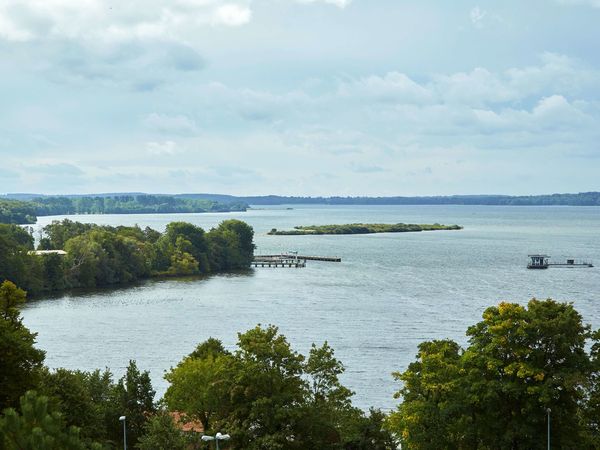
[
  {"x": 304, "y": 257},
  {"x": 273, "y": 262},
  {"x": 289, "y": 260}
]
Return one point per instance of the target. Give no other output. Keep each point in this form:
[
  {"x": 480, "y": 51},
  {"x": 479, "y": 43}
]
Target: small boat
[{"x": 543, "y": 262}]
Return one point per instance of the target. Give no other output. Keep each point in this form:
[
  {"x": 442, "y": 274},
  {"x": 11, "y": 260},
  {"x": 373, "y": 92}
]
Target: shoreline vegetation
[
  {"x": 99, "y": 256},
  {"x": 578, "y": 199},
  {"x": 24, "y": 208},
  {"x": 483, "y": 395},
  {"x": 363, "y": 228},
  {"x": 25, "y": 211}
]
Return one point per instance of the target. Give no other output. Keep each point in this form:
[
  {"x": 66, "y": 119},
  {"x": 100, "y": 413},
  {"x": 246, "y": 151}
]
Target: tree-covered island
[{"x": 363, "y": 228}]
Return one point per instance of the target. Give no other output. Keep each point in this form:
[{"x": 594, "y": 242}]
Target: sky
[{"x": 300, "y": 97}]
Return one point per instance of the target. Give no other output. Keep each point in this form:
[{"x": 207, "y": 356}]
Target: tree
[
  {"x": 368, "y": 432},
  {"x": 267, "y": 396},
  {"x": 328, "y": 407},
  {"x": 591, "y": 413},
  {"x": 432, "y": 391},
  {"x": 16, "y": 264},
  {"x": 37, "y": 427},
  {"x": 134, "y": 398},
  {"x": 209, "y": 381},
  {"x": 86, "y": 400},
  {"x": 161, "y": 432},
  {"x": 209, "y": 347},
  {"x": 20, "y": 361},
  {"x": 268, "y": 392},
  {"x": 519, "y": 362}
]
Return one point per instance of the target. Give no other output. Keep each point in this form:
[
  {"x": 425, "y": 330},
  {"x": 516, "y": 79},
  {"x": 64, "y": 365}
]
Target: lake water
[{"x": 391, "y": 291}]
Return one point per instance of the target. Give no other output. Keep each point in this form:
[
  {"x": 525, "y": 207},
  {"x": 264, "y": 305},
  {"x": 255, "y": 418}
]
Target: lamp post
[
  {"x": 123, "y": 419},
  {"x": 548, "y": 410},
  {"x": 218, "y": 437}
]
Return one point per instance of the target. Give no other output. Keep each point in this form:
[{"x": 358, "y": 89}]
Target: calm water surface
[{"x": 391, "y": 291}]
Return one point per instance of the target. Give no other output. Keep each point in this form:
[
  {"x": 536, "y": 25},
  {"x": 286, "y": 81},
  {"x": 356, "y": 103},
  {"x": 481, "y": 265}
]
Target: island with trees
[
  {"x": 26, "y": 210},
  {"x": 362, "y": 228},
  {"x": 99, "y": 256}
]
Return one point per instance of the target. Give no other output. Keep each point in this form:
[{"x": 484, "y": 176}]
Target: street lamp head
[
  {"x": 206, "y": 438},
  {"x": 122, "y": 419},
  {"x": 222, "y": 437},
  {"x": 548, "y": 410}
]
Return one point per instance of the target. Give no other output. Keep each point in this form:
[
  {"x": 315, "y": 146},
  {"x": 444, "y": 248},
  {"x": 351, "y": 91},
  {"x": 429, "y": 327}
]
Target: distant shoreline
[{"x": 591, "y": 198}]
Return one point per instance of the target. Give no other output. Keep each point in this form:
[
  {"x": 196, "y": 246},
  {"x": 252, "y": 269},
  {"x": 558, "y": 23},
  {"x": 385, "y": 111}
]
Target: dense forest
[
  {"x": 103, "y": 255},
  {"x": 25, "y": 211},
  {"x": 523, "y": 364},
  {"x": 364, "y": 228}
]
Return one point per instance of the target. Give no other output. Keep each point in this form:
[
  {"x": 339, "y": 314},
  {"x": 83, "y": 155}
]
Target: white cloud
[
  {"x": 475, "y": 87},
  {"x": 108, "y": 21},
  {"x": 232, "y": 15},
  {"x": 170, "y": 124},
  {"x": 477, "y": 15},
  {"x": 338, "y": 3},
  {"x": 393, "y": 86},
  {"x": 592, "y": 3},
  {"x": 168, "y": 148}
]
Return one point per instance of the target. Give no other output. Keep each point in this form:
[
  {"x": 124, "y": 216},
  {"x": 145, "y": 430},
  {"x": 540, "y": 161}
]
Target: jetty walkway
[{"x": 289, "y": 260}]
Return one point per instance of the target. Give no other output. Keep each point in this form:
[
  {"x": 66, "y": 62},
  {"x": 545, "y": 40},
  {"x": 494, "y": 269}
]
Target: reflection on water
[{"x": 390, "y": 292}]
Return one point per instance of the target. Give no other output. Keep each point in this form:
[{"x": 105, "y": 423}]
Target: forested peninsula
[
  {"x": 27, "y": 210},
  {"x": 363, "y": 228},
  {"x": 104, "y": 255}
]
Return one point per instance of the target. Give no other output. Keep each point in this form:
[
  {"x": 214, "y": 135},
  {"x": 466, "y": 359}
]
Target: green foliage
[
  {"x": 200, "y": 387},
  {"x": 56, "y": 234},
  {"x": 268, "y": 396},
  {"x": 211, "y": 347},
  {"x": 92, "y": 402},
  {"x": 20, "y": 361},
  {"x": 230, "y": 245},
  {"x": 519, "y": 362},
  {"x": 135, "y": 399},
  {"x": 13, "y": 211},
  {"x": 37, "y": 427},
  {"x": 364, "y": 228},
  {"x": 86, "y": 400},
  {"x": 11, "y": 297},
  {"x": 16, "y": 264},
  {"x": 363, "y": 432},
  {"x": 431, "y": 398},
  {"x": 103, "y": 255},
  {"x": 161, "y": 433},
  {"x": 20, "y": 212}
]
